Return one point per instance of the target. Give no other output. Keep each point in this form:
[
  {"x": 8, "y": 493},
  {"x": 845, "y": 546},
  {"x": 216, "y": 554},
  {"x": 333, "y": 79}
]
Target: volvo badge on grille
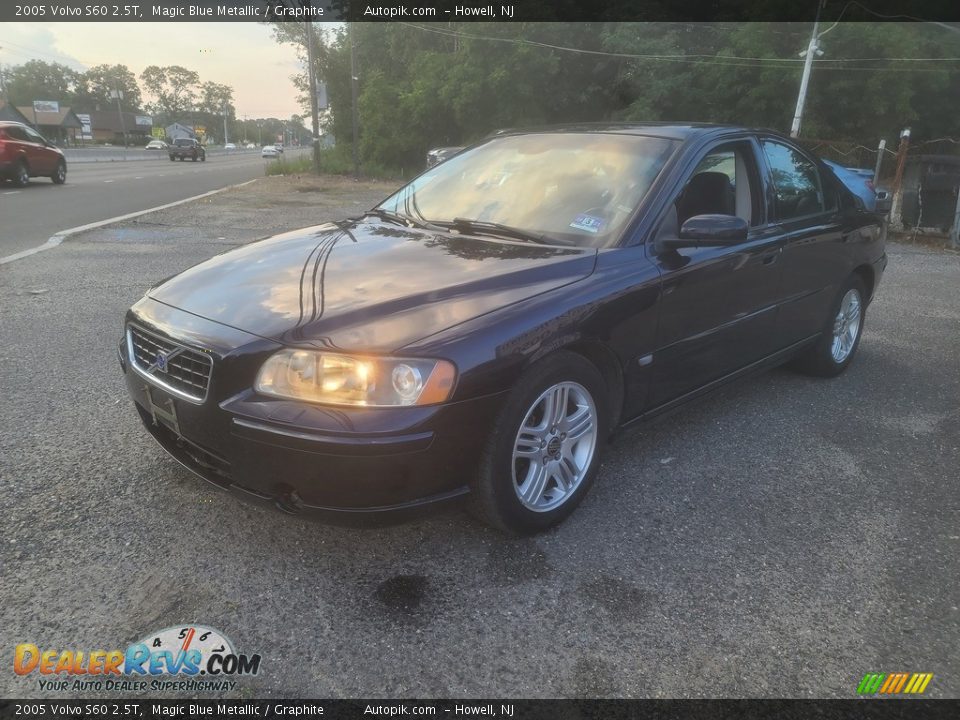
[{"x": 162, "y": 359}]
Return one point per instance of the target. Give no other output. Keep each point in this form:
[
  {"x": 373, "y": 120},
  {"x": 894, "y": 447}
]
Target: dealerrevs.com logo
[{"x": 180, "y": 658}]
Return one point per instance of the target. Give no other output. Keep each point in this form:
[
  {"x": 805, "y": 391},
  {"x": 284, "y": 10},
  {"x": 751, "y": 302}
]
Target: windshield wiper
[
  {"x": 398, "y": 218},
  {"x": 491, "y": 228}
]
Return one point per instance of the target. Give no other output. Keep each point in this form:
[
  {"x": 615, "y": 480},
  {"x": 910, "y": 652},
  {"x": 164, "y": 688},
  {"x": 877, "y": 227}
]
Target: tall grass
[{"x": 333, "y": 161}]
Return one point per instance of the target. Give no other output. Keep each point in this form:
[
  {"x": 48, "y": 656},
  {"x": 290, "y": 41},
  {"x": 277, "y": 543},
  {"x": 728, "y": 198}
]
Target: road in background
[{"x": 99, "y": 191}]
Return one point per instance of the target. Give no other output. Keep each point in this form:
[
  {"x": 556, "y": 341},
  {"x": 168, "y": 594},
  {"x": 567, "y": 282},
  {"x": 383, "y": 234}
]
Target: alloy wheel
[
  {"x": 554, "y": 447},
  {"x": 846, "y": 326}
]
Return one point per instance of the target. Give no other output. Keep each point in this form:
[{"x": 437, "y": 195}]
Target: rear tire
[
  {"x": 59, "y": 176},
  {"x": 544, "y": 451},
  {"x": 21, "y": 175},
  {"x": 838, "y": 344}
]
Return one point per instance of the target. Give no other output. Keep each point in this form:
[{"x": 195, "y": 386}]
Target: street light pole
[
  {"x": 123, "y": 124},
  {"x": 353, "y": 94},
  {"x": 314, "y": 110},
  {"x": 225, "y": 138},
  {"x": 812, "y": 49}
]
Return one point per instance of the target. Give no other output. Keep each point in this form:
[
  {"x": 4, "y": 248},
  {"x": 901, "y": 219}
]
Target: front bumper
[{"x": 341, "y": 465}]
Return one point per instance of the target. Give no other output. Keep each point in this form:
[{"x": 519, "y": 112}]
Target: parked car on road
[
  {"x": 269, "y": 151},
  {"x": 480, "y": 334},
  {"x": 156, "y": 145},
  {"x": 250, "y": 146},
  {"x": 860, "y": 182},
  {"x": 230, "y": 146},
  {"x": 187, "y": 148},
  {"x": 438, "y": 155},
  {"x": 25, "y": 153}
]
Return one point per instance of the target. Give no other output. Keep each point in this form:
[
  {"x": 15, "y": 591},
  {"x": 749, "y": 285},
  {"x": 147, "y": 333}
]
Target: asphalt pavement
[
  {"x": 782, "y": 537},
  {"x": 99, "y": 191}
]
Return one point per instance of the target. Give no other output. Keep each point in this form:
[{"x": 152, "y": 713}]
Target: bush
[{"x": 337, "y": 160}]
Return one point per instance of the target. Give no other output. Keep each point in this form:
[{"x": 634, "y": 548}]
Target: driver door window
[
  {"x": 723, "y": 183},
  {"x": 34, "y": 136}
]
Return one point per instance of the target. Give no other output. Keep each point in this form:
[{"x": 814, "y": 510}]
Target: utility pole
[
  {"x": 312, "y": 81},
  {"x": 225, "y": 138},
  {"x": 876, "y": 171},
  {"x": 123, "y": 125},
  {"x": 955, "y": 228},
  {"x": 896, "y": 204},
  {"x": 353, "y": 94},
  {"x": 812, "y": 49},
  {"x": 3, "y": 82}
]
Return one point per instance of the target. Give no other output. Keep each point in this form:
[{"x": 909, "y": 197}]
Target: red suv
[{"x": 25, "y": 153}]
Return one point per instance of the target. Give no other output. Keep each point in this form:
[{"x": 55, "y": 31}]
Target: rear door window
[{"x": 796, "y": 181}]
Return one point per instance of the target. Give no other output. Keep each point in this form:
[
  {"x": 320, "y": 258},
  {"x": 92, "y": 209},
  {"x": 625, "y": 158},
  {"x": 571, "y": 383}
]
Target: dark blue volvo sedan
[{"x": 480, "y": 334}]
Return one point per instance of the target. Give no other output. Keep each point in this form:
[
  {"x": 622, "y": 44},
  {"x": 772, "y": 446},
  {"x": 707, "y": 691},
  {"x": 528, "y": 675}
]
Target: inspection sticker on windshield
[{"x": 589, "y": 223}]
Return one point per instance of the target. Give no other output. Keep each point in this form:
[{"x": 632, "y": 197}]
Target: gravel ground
[{"x": 780, "y": 538}]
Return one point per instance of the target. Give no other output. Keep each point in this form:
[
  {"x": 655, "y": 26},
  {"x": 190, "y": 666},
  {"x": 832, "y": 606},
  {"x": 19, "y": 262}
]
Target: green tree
[
  {"x": 39, "y": 80},
  {"x": 453, "y": 83},
  {"x": 96, "y": 87},
  {"x": 174, "y": 89}
]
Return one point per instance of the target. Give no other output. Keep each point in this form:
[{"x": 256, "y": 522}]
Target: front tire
[
  {"x": 59, "y": 176},
  {"x": 21, "y": 175},
  {"x": 544, "y": 451},
  {"x": 838, "y": 344}
]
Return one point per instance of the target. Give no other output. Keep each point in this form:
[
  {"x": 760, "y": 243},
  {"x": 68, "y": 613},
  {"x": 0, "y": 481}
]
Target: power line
[{"x": 695, "y": 59}]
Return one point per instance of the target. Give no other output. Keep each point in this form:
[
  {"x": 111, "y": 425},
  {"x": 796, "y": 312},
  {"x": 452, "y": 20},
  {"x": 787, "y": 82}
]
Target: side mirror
[{"x": 708, "y": 231}]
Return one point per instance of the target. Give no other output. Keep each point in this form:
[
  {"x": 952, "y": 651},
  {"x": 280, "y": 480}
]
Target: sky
[{"x": 242, "y": 55}]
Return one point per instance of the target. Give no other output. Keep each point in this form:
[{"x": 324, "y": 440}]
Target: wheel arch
[
  {"x": 866, "y": 274},
  {"x": 605, "y": 360}
]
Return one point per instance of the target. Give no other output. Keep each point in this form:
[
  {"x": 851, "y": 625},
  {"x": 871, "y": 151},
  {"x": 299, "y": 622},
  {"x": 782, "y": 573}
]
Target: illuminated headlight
[{"x": 333, "y": 379}]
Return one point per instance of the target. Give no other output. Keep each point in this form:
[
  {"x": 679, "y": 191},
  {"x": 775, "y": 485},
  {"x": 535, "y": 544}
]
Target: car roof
[{"x": 670, "y": 130}]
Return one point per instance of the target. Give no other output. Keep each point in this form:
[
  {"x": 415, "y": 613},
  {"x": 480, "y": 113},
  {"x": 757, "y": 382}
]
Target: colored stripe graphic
[
  {"x": 894, "y": 683},
  {"x": 870, "y": 683}
]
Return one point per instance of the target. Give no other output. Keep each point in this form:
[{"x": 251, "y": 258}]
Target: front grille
[{"x": 185, "y": 371}]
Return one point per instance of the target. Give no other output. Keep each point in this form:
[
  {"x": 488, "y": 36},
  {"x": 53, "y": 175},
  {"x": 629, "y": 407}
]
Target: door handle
[{"x": 771, "y": 258}]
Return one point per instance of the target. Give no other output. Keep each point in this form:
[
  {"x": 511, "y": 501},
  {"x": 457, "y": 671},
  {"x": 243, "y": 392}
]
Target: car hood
[{"x": 369, "y": 286}]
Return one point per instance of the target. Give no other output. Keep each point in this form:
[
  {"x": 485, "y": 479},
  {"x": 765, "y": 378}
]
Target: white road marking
[
  {"x": 110, "y": 181},
  {"x": 12, "y": 192},
  {"x": 140, "y": 177},
  {"x": 55, "y": 240}
]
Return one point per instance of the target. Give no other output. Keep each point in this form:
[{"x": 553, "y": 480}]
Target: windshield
[
  {"x": 576, "y": 188},
  {"x": 183, "y": 143}
]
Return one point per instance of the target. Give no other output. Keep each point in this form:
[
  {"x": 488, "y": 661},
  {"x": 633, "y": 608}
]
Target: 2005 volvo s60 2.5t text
[{"x": 480, "y": 333}]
